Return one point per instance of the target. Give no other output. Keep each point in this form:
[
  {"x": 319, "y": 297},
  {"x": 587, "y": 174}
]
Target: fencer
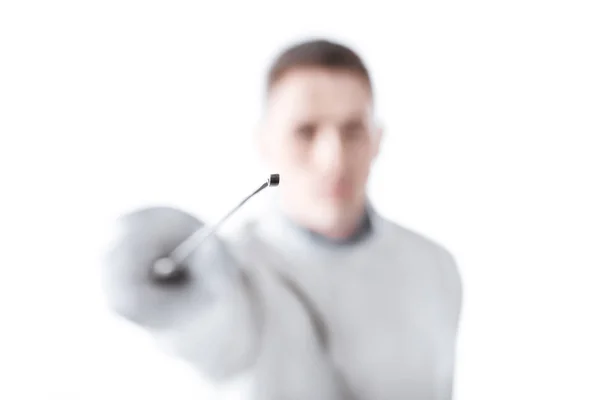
[{"x": 319, "y": 298}]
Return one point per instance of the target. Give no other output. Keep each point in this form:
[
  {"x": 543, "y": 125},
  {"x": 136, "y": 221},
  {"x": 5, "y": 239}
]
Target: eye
[
  {"x": 354, "y": 130},
  {"x": 306, "y": 131}
]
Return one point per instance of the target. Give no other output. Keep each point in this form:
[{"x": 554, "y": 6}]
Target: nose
[{"x": 330, "y": 154}]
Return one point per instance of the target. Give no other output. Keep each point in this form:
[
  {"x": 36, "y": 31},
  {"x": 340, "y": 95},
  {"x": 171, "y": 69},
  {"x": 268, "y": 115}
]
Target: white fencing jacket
[{"x": 295, "y": 316}]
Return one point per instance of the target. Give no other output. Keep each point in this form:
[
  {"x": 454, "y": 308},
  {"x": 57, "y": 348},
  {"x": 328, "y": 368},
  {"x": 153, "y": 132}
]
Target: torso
[{"x": 390, "y": 317}]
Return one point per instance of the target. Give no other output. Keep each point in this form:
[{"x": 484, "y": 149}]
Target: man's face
[{"x": 319, "y": 134}]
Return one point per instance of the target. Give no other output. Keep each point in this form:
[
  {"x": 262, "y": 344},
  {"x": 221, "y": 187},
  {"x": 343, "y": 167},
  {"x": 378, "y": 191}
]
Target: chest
[{"x": 388, "y": 323}]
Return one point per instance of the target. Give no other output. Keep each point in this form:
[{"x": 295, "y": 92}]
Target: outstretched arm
[{"x": 207, "y": 315}]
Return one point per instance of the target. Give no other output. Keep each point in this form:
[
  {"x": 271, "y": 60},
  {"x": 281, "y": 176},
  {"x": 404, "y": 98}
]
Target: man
[{"x": 321, "y": 298}]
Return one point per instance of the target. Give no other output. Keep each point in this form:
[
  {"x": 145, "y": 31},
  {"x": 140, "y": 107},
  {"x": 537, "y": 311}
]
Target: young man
[{"x": 322, "y": 298}]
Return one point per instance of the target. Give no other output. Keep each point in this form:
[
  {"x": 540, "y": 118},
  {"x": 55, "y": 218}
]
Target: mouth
[{"x": 337, "y": 191}]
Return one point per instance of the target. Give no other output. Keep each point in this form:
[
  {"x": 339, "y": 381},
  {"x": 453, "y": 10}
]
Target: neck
[{"x": 290, "y": 234}]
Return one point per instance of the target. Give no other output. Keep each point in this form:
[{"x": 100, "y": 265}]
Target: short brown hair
[{"x": 317, "y": 53}]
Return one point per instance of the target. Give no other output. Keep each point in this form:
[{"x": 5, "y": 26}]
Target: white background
[{"x": 492, "y": 115}]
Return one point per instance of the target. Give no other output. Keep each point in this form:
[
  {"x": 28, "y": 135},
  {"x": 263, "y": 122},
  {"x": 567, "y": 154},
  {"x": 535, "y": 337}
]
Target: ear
[{"x": 377, "y": 138}]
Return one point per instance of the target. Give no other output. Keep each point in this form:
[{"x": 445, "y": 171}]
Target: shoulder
[
  {"x": 425, "y": 247},
  {"x": 402, "y": 236}
]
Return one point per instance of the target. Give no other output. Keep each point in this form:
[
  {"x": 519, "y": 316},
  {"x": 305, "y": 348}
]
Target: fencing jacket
[{"x": 295, "y": 316}]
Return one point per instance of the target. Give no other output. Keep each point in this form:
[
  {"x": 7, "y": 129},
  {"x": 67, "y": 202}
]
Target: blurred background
[{"x": 492, "y": 116}]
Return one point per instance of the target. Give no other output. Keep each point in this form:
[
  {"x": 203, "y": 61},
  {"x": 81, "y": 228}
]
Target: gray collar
[{"x": 363, "y": 232}]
